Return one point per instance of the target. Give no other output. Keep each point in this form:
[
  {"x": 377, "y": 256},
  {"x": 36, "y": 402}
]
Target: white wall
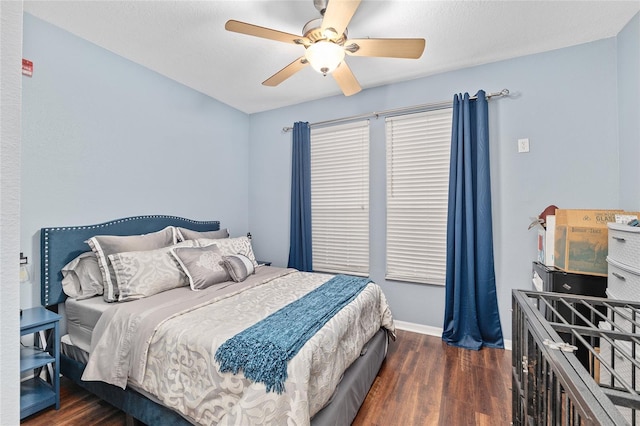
[
  {"x": 104, "y": 138},
  {"x": 10, "y": 105},
  {"x": 564, "y": 101}
]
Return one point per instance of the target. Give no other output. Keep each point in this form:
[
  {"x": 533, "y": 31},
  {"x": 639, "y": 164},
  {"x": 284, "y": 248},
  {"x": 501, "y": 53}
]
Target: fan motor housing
[
  {"x": 321, "y": 5},
  {"x": 313, "y": 31}
]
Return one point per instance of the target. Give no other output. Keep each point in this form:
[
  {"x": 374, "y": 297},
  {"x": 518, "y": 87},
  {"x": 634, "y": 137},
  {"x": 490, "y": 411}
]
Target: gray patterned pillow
[
  {"x": 105, "y": 245},
  {"x": 188, "y": 234},
  {"x": 202, "y": 265},
  {"x": 238, "y": 266},
  {"x": 81, "y": 278},
  {"x": 229, "y": 246},
  {"x": 145, "y": 273}
]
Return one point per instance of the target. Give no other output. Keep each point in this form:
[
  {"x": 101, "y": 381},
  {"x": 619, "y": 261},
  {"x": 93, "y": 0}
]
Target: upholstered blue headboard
[{"x": 60, "y": 245}]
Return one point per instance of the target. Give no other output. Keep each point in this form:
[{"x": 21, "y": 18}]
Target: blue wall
[
  {"x": 629, "y": 113},
  {"x": 564, "y": 101},
  {"x": 105, "y": 138}
]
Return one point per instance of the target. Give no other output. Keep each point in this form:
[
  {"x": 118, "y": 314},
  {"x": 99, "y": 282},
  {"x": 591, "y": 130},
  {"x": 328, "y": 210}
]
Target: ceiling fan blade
[
  {"x": 346, "y": 80},
  {"x": 339, "y": 14},
  {"x": 410, "y": 48},
  {"x": 257, "y": 31},
  {"x": 286, "y": 72}
]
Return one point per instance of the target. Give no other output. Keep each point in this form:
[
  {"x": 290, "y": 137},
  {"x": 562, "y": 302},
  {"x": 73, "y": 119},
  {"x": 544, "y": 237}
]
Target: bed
[{"x": 161, "y": 382}]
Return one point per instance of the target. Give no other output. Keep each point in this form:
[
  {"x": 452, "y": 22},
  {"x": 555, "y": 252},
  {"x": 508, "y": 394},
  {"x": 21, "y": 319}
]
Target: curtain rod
[{"x": 404, "y": 110}]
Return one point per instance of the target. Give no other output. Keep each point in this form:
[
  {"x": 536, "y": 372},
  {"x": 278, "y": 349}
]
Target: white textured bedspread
[{"x": 166, "y": 347}]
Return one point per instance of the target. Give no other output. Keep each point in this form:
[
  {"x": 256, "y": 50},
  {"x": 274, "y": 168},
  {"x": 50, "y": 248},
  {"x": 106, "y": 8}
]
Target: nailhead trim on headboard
[{"x": 45, "y": 279}]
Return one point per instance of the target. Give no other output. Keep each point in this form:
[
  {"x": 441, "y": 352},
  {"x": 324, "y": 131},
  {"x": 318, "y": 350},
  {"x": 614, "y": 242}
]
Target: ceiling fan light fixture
[
  {"x": 326, "y": 42},
  {"x": 324, "y": 56},
  {"x": 330, "y": 34}
]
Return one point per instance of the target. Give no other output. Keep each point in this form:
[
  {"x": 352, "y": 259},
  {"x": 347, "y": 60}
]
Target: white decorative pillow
[
  {"x": 238, "y": 266},
  {"x": 81, "y": 278},
  {"x": 229, "y": 246},
  {"x": 145, "y": 273},
  {"x": 188, "y": 234},
  {"x": 105, "y": 245},
  {"x": 202, "y": 265}
]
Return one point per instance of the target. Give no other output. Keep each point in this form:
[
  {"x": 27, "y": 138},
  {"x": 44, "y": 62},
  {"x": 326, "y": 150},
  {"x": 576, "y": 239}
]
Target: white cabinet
[{"x": 623, "y": 262}]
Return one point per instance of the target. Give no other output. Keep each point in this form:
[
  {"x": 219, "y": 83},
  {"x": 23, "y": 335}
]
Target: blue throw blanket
[{"x": 263, "y": 350}]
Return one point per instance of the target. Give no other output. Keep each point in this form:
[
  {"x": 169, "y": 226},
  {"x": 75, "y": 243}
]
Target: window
[
  {"x": 340, "y": 198},
  {"x": 418, "y": 151}
]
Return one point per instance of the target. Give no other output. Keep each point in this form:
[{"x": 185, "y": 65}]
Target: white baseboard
[
  {"x": 432, "y": 331},
  {"x": 418, "y": 328}
]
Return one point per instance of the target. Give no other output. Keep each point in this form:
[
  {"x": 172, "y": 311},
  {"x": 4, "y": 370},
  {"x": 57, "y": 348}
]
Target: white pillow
[
  {"x": 202, "y": 265},
  {"x": 238, "y": 266},
  {"x": 145, "y": 273},
  {"x": 105, "y": 245},
  {"x": 82, "y": 278},
  {"x": 229, "y": 246},
  {"x": 188, "y": 234}
]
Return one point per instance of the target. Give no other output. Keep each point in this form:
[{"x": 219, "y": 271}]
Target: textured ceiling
[{"x": 186, "y": 40}]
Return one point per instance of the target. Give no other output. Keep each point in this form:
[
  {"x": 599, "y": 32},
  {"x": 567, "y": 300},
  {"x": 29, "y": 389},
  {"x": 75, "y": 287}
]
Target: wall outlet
[{"x": 523, "y": 145}]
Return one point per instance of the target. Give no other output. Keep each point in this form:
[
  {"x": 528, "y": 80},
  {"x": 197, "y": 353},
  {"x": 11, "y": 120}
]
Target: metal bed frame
[{"x": 550, "y": 385}]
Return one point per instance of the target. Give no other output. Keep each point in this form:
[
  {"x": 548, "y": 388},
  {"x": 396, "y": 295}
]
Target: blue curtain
[
  {"x": 471, "y": 318},
  {"x": 300, "y": 233}
]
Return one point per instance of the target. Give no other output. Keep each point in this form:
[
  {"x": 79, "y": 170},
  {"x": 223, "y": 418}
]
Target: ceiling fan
[{"x": 326, "y": 43}]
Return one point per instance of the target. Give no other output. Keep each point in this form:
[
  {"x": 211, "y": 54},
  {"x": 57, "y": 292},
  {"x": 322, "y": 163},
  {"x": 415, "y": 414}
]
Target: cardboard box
[
  {"x": 546, "y": 237},
  {"x": 580, "y": 243},
  {"x": 549, "y": 241},
  {"x": 542, "y": 234}
]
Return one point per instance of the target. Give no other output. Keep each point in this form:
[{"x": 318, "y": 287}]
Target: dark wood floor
[{"x": 423, "y": 381}]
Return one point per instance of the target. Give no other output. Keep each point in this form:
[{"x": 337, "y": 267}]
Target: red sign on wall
[{"x": 27, "y": 67}]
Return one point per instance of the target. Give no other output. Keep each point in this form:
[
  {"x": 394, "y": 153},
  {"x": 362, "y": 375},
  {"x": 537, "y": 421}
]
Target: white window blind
[
  {"x": 418, "y": 151},
  {"x": 340, "y": 198}
]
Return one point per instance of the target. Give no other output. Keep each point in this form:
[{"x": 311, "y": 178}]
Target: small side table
[
  {"x": 37, "y": 393},
  {"x": 263, "y": 263}
]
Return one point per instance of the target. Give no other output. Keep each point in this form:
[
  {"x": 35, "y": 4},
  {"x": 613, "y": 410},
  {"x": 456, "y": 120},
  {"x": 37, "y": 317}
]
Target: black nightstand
[
  {"x": 263, "y": 263},
  {"x": 37, "y": 393},
  {"x": 558, "y": 281}
]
